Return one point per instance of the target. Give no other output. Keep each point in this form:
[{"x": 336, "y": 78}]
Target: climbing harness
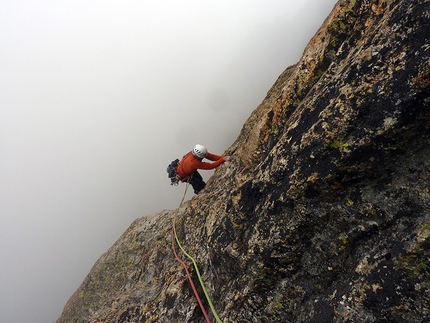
[{"x": 175, "y": 237}]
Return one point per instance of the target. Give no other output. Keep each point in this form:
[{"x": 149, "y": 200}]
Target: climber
[{"x": 191, "y": 162}]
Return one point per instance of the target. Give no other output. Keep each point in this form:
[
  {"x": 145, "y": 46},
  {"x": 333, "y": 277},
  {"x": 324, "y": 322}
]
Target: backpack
[{"x": 171, "y": 172}]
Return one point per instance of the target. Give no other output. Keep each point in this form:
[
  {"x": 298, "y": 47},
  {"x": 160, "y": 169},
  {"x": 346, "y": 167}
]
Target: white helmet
[{"x": 200, "y": 151}]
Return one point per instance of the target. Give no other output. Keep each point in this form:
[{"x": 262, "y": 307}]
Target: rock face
[{"x": 323, "y": 214}]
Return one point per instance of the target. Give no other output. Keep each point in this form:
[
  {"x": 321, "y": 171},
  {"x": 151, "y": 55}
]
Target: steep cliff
[{"x": 323, "y": 214}]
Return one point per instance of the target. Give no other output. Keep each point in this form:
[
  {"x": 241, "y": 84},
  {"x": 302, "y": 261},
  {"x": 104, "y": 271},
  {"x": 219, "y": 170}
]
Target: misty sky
[{"x": 96, "y": 98}]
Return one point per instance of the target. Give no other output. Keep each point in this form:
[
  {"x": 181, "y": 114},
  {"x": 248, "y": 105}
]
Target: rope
[
  {"x": 191, "y": 281},
  {"x": 183, "y": 263},
  {"x": 195, "y": 267}
]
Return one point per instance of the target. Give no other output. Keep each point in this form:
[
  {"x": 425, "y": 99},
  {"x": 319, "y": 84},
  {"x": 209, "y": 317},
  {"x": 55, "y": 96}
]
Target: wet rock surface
[{"x": 323, "y": 213}]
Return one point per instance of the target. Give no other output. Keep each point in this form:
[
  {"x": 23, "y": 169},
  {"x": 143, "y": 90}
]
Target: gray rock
[{"x": 322, "y": 215}]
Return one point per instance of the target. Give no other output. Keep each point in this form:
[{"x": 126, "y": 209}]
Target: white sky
[{"x": 96, "y": 98}]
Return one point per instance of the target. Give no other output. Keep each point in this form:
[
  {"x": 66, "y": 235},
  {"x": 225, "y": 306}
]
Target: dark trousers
[{"x": 197, "y": 182}]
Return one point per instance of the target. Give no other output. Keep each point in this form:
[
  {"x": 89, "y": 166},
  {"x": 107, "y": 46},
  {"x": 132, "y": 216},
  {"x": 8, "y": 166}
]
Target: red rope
[
  {"x": 190, "y": 279},
  {"x": 186, "y": 268}
]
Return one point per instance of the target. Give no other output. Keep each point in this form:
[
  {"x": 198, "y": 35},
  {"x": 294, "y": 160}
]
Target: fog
[{"x": 96, "y": 98}]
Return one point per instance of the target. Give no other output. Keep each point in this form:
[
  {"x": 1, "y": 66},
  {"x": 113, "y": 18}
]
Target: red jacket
[{"x": 190, "y": 163}]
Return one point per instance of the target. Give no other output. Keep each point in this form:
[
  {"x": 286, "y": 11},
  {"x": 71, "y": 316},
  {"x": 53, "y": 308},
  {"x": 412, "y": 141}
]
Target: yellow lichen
[
  {"x": 339, "y": 143},
  {"x": 344, "y": 243}
]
